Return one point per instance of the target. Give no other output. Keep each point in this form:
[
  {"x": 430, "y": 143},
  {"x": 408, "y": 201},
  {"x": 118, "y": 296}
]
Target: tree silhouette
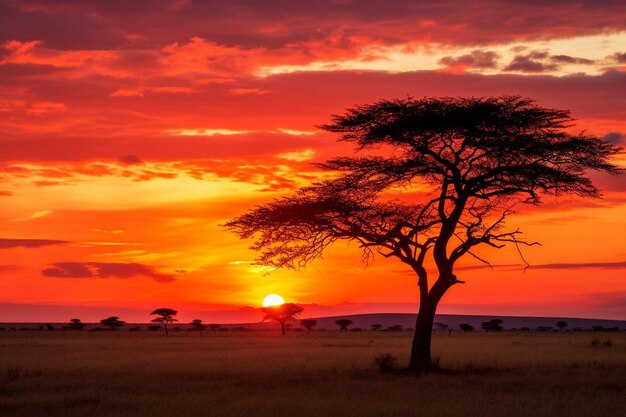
[
  {"x": 112, "y": 322},
  {"x": 476, "y": 160},
  {"x": 165, "y": 316},
  {"x": 308, "y": 323},
  {"x": 493, "y": 325},
  {"x": 154, "y": 327},
  {"x": 198, "y": 325},
  {"x": 561, "y": 324},
  {"x": 214, "y": 327},
  {"x": 465, "y": 327},
  {"x": 76, "y": 324},
  {"x": 343, "y": 324},
  {"x": 282, "y": 313},
  {"x": 376, "y": 327}
]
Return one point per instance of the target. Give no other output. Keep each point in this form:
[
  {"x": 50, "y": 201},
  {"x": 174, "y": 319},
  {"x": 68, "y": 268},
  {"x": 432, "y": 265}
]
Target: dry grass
[{"x": 316, "y": 374}]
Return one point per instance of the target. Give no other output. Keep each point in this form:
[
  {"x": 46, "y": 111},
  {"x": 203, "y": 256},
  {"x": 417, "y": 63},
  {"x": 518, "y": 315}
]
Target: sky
[{"x": 131, "y": 131}]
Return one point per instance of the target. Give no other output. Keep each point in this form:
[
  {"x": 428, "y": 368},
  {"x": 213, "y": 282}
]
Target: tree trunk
[
  {"x": 421, "y": 360},
  {"x": 166, "y": 333}
]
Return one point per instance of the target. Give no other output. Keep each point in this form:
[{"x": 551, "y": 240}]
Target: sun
[{"x": 273, "y": 300}]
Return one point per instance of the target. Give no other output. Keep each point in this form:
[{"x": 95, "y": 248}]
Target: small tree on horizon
[
  {"x": 493, "y": 325},
  {"x": 376, "y": 327},
  {"x": 76, "y": 324},
  {"x": 165, "y": 316},
  {"x": 282, "y": 313},
  {"x": 561, "y": 324},
  {"x": 476, "y": 161},
  {"x": 112, "y": 322},
  {"x": 198, "y": 325},
  {"x": 214, "y": 327},
  {"x": 465, "y": 327},
  {"x": 308, "y": 323},
  {"x": 343, "y": 324}
]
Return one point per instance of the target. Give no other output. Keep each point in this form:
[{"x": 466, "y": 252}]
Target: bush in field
[
  {"x": 386, "y": 363},
  {"x": 343, "y": 324},
  {"x": 561, "y": 324},
  {"x": 465, "y": 327},
  {"x": 165, "y": 316},
  {"x": 308, "y": 323},
  {"x": 154, "y": 327},
  {"x": 376, "y": 327},
  {"x": 76, "y": 324},
  {"x": 113, "y": 322},
  {"x": 395, "y": 328}
]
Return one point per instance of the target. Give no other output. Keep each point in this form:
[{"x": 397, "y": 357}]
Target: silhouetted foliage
[
  {"x": 282, "y": 313},
  {"x": 49, "y": 326},
  {"x": 76, "y": 324},
  {"x": 112, "y": 322},
  {"x": 394, "y": 328},
  {"x": 343, "y": 324},
  {"x": 440, "y": 326},
  {"x": 165, "y": 316},
  {"x": 154, "y": 327},
  {"x": 198, "y": 325},
  {"x": 525, "y": 329},
  {"x": 376, "y": 327},
  {"x": 465, "y": 327},
  {"x": 561, "y": 324},
  {"x": 135, "y": 329},
  {"x": 482, "y": 160},
  {"x": 214, "y": 327},
  {"x": 308, "y": 324},
  {"x": 493, "y": 325},
  {"x": 386, "y": 363}
]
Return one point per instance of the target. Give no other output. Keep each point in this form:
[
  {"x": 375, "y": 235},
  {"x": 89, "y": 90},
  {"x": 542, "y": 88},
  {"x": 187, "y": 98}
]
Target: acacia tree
[
  {"x": 308, "y": 323},
  {"x": 561, "y": 324},
  {"x": 282, "y": 313},
  {"x": 476, "y": 161},
  {"x": 112, "y": 322},
  {"x": 76, "y": 324},
  {"x": 198, "y": 325},
  {"x": 343, "y": 324},
  {"x": 165, "y": 316}
]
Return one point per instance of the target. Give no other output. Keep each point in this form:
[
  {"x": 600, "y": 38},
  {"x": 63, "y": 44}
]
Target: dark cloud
[
  {"x": 5, "y": 193},
  {"x": 581, "y": 265},
  {"x": 620, "y": 57},
  {"x": 531, "y": 62},
  {"x": 104, "y": 270},
  {"x": 28, "y": 243},
  {"x": 475, "y": 59},
  {"x": 130, "y": 160},
  {"x": 616, "y": 138},
  {"x": 566, "y": 59},
  {"x": 274, "y": 24}
]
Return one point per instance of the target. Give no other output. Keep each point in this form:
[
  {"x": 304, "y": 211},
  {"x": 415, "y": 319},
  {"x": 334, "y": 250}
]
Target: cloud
[
  {"x": 542, "y": 61},
  {"x": 475, "y": 59},
  {"x": 104, "y": 270},
  {"x": 297, "y": 156},
  {"x": 130, "y": 160},
  {"x": 29, "y": 243},
  {"x": 581, "y": 265},
  {"x": 206, "y": 132},
  {"x": 5, "y": 193},
  {"x": 620, "y": 57},
  {"x": 615, "y": 138}
]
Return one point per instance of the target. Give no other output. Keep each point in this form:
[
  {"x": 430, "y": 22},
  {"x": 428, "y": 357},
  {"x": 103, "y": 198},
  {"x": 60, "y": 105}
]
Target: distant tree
[
  {"x": 440, "y": 326},
  {"x": 525, "y": 329},
  {"x": 482, "y": 159},
  {"x": 112, "y": 322},
  {"x": 465, "y": 327},
  {"x": 282, "y": 313},
  {"x": 343, "y": 324},
  {"x": 214, "y": 327},
  {"x": 165, "y": 316},
  {"x": 376, "y": 327},
  {"x": 154, "y": 327},
  {"x": 597, "y": 328},
  {"x": 493, "y": 325},
  {"x": 395, "y": 328},
  {"x": 198, "y": 325},
  {"x": 308, "y": 323},
  {"x": 561, "y": 325},
  {"x": 49, "y": 326},
  {"x": 76, "y": 324}
]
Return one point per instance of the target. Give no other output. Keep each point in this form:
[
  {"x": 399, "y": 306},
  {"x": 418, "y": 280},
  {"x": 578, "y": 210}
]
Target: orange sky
[{"x": 129, "y": 131}]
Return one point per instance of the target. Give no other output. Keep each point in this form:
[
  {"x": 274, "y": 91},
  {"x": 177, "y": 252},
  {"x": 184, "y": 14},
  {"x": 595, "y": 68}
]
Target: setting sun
[{"x": 273, "y": 300}]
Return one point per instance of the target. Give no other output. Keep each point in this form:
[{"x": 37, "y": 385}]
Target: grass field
[{"x": 125, "y": 373}]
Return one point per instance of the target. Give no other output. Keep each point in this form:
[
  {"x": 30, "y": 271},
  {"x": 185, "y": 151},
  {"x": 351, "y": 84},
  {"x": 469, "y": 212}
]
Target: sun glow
[{"x": 273, "y": 300}]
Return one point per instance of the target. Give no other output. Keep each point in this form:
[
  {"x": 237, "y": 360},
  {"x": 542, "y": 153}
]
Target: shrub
[
  {"x": 386, "y": 363},
  {"x": 595, "y": 342}
]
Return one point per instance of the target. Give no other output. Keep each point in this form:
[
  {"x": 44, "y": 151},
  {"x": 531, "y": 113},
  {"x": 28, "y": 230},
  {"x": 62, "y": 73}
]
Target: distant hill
[{"x": 364, "y": 321}]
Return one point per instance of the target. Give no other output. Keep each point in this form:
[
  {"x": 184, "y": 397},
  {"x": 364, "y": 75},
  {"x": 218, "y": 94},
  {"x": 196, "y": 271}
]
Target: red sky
[{"x": 129, "y": 131}]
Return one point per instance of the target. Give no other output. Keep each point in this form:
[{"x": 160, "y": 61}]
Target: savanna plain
[{"x": 321, "y": 373}]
